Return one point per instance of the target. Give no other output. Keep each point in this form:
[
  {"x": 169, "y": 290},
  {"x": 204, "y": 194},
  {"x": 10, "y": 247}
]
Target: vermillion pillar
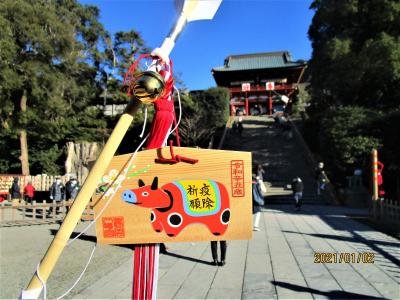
[
  {"x": 247, "y": 105},
  {"x": 270, "y": 103}
]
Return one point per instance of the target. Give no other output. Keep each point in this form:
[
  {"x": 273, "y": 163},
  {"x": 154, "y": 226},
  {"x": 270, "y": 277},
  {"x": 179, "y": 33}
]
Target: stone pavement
[{"x": 278, "y": 262}]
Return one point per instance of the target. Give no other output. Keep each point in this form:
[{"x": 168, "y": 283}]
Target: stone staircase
[{"x": 281, "y": 156}]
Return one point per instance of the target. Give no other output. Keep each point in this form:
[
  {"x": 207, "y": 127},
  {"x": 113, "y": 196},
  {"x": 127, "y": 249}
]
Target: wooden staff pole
[{"x": 60, "y": 240}]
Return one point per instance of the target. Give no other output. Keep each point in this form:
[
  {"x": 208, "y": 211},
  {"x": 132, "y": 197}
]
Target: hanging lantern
[{"x": 148, "y": 86}]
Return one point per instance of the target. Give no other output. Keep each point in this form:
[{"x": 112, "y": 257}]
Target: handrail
[
  {"x": 311, "y": 160},
  {"x": 227, "y": 127}
]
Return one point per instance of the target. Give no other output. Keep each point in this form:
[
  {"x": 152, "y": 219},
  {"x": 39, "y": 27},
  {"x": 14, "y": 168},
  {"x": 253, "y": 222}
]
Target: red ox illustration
[{"x": 180, "y": 203}]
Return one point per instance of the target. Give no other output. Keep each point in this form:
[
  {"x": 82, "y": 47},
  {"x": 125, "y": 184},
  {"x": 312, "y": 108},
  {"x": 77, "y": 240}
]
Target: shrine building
[{"x": 261, "y": 82}]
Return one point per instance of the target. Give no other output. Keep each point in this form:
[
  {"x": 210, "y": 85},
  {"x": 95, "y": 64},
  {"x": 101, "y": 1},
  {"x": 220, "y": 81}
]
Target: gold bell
[{"x": 148, "y": 86}]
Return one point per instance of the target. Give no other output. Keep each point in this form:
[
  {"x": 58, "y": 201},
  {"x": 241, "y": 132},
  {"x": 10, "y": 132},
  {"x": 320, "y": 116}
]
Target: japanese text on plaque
[
  {"x": 202, "y": 196},
  {"x": 237, "y": 178}
]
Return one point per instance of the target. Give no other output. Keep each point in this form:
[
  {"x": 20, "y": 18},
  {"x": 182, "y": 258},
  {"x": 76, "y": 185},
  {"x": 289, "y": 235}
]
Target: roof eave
[{"x": 258, "y": 69}]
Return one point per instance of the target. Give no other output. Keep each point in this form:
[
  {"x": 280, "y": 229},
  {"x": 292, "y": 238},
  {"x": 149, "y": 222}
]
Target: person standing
[
  {"x": 297, "y": 188},
  {"x": 240, "y": 124},
  {"x": 29, "y": 192},
  {"x": 214, "y": 252},
  {"x": 15, "y": 192},
  {"x": 57, "y": 193},
  {"x": 68, "y": 188},
  {"x": 320, "y": 178},
  {"x": 260, "y": 172},
  {"x": 260, "y": 178},
  {"x": 258, "y": 202},
  {"x": 71, "y": 191}
]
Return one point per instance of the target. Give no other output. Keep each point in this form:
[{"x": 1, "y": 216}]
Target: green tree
[
  {"x": 49, "y": 60},
  {"x": 355, "y": 82},
  {"x": 213, "y": 105},
  {"x": 122, "y": 51},
  {"x": 204, "y": 113},
  {"x": 356, "y": 53},
  {"x": 301, "y": 100},
  {"x": 347, "y": 138}
]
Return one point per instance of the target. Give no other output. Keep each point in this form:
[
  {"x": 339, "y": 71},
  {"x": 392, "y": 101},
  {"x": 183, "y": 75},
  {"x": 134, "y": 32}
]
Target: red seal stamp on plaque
[{"x": 113, "y": 227}]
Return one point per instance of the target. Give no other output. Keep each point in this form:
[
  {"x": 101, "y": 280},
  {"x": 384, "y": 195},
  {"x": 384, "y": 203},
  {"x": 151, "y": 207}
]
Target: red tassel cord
[
  {"x": 146, "y": 256},
  {"x": 164, "y": 113},
  {"x": 174, "y": 158}
]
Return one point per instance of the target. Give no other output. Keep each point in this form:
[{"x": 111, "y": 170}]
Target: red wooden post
[
  {"x": 247, "y": 105},
  {"x": 270, "y": 103},
  {"x": 230, "y": 102}
]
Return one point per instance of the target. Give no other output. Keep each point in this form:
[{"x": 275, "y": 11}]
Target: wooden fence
[
  {"x": 386, "y": 211},
  {"x": 19, "y": 214},
  {"x": 41, "y": 182}
]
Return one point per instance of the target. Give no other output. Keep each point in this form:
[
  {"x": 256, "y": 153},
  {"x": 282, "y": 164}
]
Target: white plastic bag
[{"x": 262, "y": 186}]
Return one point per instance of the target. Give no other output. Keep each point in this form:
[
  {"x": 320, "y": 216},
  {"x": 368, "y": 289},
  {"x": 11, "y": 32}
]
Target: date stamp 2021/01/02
[{"x": 344, "y": 257}]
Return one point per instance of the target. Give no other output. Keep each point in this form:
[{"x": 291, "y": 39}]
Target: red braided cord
[
  {"x": 143, "y": 277},
  {"x": 178, "y": 142},
  {"x": 131, "y": 73}
]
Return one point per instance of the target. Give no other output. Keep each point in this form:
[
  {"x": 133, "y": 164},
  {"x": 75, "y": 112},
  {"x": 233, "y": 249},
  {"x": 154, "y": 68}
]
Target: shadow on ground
[
  {"x": 330, "y": 295},
  {"x": 91, "y": 238},
  {"x": 354, "y": 228},
  {"x": 187, "y": 258}
]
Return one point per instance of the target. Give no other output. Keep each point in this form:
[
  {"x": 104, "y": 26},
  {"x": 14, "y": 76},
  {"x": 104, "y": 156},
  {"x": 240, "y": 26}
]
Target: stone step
[
  {"x": 280, "y": 192},
  {"x": 283, "y": 159},
  {"x": 288, "y": 199}
]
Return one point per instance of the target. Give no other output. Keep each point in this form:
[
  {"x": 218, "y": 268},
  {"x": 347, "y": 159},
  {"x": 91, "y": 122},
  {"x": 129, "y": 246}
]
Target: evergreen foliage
[
  {"x": 59, "y": 68},
  {"x": 205, "y": 112},
  {"x": 355, "y": 82},
  {"x": 348, "y": 137},
  {"x": 58, "y": 54}
]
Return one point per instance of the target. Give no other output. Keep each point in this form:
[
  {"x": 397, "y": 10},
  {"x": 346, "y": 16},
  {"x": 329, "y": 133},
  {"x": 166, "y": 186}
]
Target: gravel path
[{"x": 22, "y": 248}]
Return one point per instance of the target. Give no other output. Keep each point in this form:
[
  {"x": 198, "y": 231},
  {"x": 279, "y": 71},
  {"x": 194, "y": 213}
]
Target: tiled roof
[{"x": 267, "y": 60}]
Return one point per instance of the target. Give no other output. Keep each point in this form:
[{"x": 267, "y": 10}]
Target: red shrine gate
[
  {"x": 260, "y": 83},
  {"x": 259, "y": 100}
]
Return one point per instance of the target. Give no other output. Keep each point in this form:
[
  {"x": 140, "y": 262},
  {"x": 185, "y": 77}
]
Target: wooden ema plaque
[{"x": 181, "y": 202}]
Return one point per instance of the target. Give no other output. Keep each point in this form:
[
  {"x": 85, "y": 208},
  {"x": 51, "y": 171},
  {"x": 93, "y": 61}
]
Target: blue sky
[{"x": 239, "y": 27}]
